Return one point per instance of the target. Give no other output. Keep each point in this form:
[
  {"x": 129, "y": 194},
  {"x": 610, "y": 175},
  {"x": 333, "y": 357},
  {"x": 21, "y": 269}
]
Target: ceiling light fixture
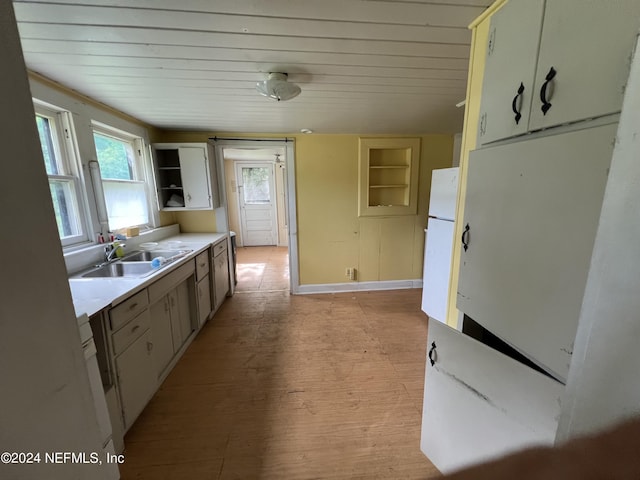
[
  {"x": 277, "y": 87},
  {"x": 306, "y": 130}
]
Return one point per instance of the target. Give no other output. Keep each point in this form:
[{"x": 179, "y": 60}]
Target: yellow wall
[
  {"x": 331, "y": 236},
  {"x": 480, "y": 32}
]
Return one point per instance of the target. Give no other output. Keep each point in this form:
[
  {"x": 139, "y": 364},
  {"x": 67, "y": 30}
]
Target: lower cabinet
[
  {"x": 144, "y": 334},
  {"x": 204, "y": 299},
  {"x": 172, "y": 312},
  {"x": 480, "y": 403},
  {"x": 136, "y": 373},
  {"x": 161, "y": 334},
  {"x": 221, "y": 273},
  {"x": 181, "y": 306}
]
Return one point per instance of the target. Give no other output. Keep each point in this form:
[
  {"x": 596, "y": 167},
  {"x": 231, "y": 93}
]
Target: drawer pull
[
  {"x": 133, "y": 305},
  {"x": 133, "y": 330},
  {"x": 203, "y": 265},
  {"x": 465, "y": 242},
  {"x": 546, "y": 105},
  {"x": 514, "y": 104},
  {"x": 433, "y": 355},
  {"x": 149, "y": 346}
]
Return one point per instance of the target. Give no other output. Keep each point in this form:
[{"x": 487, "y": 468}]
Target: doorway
[{"x": 258, "y": 183}]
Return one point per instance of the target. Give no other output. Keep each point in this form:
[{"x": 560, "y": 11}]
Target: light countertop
[{"x": 90, "y": 295}]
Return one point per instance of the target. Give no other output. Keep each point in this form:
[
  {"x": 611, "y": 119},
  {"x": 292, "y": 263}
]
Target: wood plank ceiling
[{"x": 364, "y": 66}]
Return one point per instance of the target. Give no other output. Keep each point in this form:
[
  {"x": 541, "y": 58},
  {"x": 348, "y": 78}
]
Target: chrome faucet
[{"x": 110, "y": 251}]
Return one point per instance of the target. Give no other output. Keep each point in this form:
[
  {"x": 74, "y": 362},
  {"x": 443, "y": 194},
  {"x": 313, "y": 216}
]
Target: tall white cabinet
[
  {"x": 533, "y": 197},
  {"x": 532, "y": 211}
]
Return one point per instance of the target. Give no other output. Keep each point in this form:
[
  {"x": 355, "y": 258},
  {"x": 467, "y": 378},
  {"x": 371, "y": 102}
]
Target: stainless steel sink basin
[
  {"x": 118, "y": 269},
  {"x": 147, "y": 256}
]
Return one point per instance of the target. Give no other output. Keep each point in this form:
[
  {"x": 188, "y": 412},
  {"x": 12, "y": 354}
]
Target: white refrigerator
[{"x": 439, "y": 243}]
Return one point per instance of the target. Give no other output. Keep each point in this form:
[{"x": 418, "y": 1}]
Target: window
[
  {"x": 123, "y": 183},
  {"x": 54, "y": 130},
  {"x": 255, "y": 182}
]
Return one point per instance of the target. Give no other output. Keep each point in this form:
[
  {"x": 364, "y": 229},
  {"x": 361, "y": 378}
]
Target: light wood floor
[{"x": 291, "y": 387}]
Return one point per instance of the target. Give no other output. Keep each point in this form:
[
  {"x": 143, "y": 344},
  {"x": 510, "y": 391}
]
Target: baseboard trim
[{"x": 359, "y": 286}]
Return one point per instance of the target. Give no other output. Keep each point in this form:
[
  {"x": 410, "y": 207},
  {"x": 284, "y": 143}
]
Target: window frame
[
  {"x": 140, "y": 171},
  {"x": 69, "y": 170}
]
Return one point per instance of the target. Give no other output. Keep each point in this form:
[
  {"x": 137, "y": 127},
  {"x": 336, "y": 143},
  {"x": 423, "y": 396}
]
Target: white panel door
[
  {"x": 588, "y": 43},
  {"x": 531, "y": 215},
  {"x": 507, "y": 88},
  {"x": 437, "y": 268},
  {"x": 258, "y": 220},
  {"x": 195, "y": 177},
  {"x": 479, "y": 403}
]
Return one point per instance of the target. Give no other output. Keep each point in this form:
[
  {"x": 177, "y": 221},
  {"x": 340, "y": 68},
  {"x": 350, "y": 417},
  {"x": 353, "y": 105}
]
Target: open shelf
[{"x": 388, "y": 176}]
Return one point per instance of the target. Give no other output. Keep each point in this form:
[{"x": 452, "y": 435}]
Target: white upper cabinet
[
  {"x": 588, "y": 43},
  {"x": 531, "y": 215},
  {"x": 186, "y": 176},
  {"x": 507, "y": 89},
  {"x": 194, "y": 168},
  {"x": 568, "y": 65}
]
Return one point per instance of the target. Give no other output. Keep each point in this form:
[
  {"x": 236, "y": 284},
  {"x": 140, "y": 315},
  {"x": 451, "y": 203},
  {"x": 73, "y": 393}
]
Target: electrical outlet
[{"x": 350, "y": 273}]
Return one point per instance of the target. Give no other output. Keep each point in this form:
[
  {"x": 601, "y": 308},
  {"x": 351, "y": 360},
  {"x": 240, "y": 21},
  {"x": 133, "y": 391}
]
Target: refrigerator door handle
[{"x": 465, "y": 243}]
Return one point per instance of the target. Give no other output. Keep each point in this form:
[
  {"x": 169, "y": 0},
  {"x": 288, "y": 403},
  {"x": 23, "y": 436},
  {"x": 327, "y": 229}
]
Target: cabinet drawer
[
  {"x": 128, "y": 334},
  {"x": 202, "y": 264},
  {"x": 219, "y": 247},
  {"x": 479, "y": 403},
  {"x": 161, "y": 287},
  {"x": 128, "y": 309}
]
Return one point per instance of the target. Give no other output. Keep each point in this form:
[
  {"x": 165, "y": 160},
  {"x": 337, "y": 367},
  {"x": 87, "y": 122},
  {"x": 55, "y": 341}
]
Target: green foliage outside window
[{"x": 115, "y": 158}]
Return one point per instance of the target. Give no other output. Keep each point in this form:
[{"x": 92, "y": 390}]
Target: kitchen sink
[
  {"x": 121, "y": 269},
  {"x": 149, "y": 255}
]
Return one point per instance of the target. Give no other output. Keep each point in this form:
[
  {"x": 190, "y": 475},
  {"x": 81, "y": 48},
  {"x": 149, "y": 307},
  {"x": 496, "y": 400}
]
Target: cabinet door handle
[
  {"x": 546, "y": 105},
  {"x": 514, "y": 104},
  {"x": 149, "y": 346},
  {"x": 433, "y": 355},
  {"x": 465, "y": 241}
]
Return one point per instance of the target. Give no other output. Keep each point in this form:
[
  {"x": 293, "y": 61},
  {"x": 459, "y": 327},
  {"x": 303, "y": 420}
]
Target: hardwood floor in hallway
[{"x": 292, "y": 387}]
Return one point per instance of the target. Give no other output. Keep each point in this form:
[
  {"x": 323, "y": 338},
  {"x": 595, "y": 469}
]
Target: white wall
[{"x": 46, "y": 403}]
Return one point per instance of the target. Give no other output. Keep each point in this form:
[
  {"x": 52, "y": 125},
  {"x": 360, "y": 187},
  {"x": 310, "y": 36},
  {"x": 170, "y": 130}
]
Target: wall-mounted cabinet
[
  {"x": 545, "y": 67},
  {"x": 388, "y": 176},
  {"x": 186, "y": 177}
]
